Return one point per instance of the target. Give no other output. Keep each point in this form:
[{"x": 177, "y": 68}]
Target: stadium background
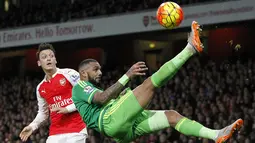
[{"x": 214, "y": 88}]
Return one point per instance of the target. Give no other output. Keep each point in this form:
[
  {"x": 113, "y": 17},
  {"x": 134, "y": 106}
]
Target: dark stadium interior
[{"x": 214, "y": 88}]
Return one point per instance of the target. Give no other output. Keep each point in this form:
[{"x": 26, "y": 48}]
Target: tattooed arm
[
  {"x": 110, "y": 93},
  {"x": 113, "y": 91}
]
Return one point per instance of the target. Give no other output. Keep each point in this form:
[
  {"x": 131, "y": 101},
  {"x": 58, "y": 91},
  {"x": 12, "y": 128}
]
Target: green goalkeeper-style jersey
[
  {"x": 123, "y": 118},
  {"x": 82, "y": 95}
]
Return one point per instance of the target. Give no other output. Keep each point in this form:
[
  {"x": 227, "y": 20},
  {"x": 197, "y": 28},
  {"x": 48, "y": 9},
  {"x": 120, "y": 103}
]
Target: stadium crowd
[
  {"x": 66, "y": 10},
  {"x": 215, "y": 95}
]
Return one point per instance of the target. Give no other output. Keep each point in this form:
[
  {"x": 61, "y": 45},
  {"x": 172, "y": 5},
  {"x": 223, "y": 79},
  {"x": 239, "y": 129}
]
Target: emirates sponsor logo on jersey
[
  {"x": 62, "y": 81},
  {"x": 60, "y": 103}
]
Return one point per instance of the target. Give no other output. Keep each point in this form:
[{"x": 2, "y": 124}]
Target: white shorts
[{"x": 68, "y": 138}]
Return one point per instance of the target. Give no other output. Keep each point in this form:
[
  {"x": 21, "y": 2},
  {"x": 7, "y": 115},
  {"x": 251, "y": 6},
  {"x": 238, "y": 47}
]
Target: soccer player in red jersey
[{"x": 54, "y": 95}]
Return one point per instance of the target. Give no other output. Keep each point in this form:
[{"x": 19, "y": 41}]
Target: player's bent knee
[
  {"x": 147, "y": 84},
  {"x": 144, "y": 89},
  {"x": 173, "y": 117},
  {"x": 158, "y": 121}
]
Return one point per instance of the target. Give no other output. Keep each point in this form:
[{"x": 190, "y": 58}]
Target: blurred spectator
[{"x": 66, "y": 10}]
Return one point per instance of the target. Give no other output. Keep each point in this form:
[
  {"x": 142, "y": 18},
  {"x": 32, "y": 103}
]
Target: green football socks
[
  {"x": 193, "y": 128},
  {"x": 168, "y": 70}
]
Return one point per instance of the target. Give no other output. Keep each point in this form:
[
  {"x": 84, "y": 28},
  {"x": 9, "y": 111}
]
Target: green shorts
[{"x": 126, "y": 120}]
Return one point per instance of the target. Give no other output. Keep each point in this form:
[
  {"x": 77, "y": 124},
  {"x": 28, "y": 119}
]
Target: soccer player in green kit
[{"x": 123, "y": 117}]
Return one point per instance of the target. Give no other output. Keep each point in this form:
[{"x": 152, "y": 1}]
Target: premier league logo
[{"x": 88, "y": 89}]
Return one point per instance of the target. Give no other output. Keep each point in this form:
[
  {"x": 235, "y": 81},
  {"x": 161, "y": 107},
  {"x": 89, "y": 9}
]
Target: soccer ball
[{"x": 169, "y": 15}]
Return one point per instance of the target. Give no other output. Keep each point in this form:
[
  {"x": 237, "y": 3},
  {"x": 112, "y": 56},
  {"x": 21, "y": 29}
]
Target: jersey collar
[{"x": 57, "y": 71}]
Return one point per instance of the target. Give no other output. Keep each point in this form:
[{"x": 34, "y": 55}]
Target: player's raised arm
[
  {"x": 113, "y": 91},
  {"x": 110, "y": 93},
  {"x": 42, "y": 116},
  {"x": 101, "y": 97}
]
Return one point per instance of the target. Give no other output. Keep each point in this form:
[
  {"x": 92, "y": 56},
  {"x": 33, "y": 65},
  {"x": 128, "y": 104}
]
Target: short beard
[{"x": 91, "y": 80}]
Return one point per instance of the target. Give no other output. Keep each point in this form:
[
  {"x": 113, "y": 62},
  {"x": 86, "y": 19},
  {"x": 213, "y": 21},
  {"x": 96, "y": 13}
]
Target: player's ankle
[
  {"x": 217, "y": 135},
  {"x": 190, "y": 48}
]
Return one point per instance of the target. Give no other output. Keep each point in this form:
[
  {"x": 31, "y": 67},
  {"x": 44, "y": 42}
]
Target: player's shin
[
  {"x": 193, "y": 128},
  {"x": 168, "y": 70}
]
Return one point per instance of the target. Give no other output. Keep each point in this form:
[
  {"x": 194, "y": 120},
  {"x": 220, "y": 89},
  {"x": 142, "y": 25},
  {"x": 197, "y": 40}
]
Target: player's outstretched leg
[
  {"x": 193, "y": 128},
  {"x": 145, "y": 91},
  {"x": 151, "y": 121}
]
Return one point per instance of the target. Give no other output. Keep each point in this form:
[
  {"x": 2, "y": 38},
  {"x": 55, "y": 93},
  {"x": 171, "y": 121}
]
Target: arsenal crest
[
  {"x": 62, "y": 81},
  {"x": 146, "y": 20}
]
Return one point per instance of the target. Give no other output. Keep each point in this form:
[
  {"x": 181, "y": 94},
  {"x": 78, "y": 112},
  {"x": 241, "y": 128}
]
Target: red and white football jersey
[{"x": 57, "y": 92}]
